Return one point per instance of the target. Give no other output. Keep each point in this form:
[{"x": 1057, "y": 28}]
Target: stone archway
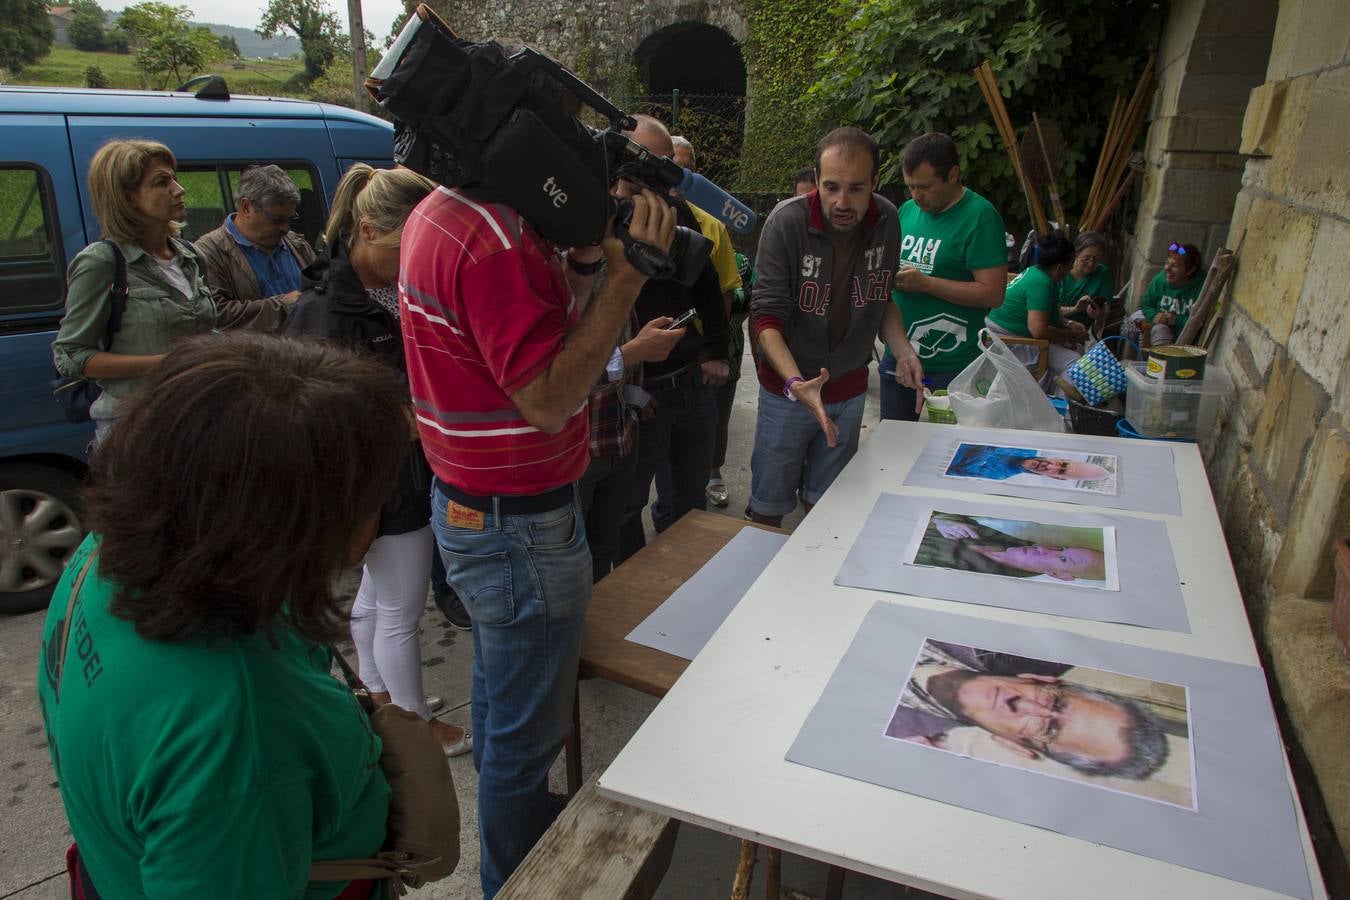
[
  {"x": 695, "y": 78},
  {"x": 693, "y": 58}
]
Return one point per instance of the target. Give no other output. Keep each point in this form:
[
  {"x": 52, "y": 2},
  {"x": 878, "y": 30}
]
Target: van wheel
[{"x": 39, "y": 530}]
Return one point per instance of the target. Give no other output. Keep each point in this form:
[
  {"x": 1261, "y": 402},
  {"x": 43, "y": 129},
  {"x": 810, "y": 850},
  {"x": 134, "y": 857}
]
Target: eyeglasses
[
  {"x": 1178, "y": 249},
  {"x": 293, "y": 219}
]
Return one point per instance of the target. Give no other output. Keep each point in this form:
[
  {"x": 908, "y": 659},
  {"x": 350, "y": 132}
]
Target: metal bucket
[{"x": 1176, "y": 362}]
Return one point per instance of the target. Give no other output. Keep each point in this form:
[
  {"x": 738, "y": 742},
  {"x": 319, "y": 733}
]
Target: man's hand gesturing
[{"x": 808, "y": 394}]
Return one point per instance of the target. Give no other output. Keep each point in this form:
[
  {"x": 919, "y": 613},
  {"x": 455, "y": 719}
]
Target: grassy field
[{"x": 65, "y": 66}]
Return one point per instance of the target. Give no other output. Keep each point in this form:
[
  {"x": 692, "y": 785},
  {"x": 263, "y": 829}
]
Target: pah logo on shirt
[
  {"x": 937, "y": 334},
  {"x": 919, "y": 252}
]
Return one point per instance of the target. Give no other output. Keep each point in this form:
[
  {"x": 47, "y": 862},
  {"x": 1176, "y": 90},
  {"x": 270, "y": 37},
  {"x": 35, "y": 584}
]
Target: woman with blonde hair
[
  {"x": 352, "y": 298},
  {"x": 139, "y": 204}
]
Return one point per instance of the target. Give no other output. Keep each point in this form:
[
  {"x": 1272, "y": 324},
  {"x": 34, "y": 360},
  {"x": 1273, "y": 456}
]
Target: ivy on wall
[
  {"x": 904, "y": 67},
  {"x": 783, "y": 124}
]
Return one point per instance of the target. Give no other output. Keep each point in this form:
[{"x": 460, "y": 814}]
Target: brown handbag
[{"x": 422, "y": 844}]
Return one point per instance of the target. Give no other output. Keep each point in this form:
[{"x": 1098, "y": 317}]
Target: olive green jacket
[{"x": 156, "y": 313}]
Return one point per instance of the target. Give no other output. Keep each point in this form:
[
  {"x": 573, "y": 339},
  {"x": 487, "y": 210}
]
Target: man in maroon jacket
[{"x": 823, "y": 274}]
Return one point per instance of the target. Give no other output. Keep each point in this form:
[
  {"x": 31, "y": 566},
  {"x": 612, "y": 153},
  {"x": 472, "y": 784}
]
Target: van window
[
  {"x": 210, "y": 191},
  {"x": 32, "y": 276}
]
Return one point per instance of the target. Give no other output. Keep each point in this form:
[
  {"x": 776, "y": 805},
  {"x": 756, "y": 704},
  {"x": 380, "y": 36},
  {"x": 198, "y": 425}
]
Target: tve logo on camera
[{"x": 555, "y": 192}]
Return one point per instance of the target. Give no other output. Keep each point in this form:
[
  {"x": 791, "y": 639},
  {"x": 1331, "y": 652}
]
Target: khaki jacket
[{"x": 234, "y": 287}]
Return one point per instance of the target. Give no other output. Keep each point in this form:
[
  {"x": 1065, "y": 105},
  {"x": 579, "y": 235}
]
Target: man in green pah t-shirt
[{"x": 952, "y": 270}]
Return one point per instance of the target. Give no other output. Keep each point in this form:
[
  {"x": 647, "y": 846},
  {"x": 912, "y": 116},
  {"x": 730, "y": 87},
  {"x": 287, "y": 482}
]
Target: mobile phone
[{"x": 682, "y": 319}]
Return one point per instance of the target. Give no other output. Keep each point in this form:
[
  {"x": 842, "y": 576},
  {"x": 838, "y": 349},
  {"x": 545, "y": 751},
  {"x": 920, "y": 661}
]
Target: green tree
[
  {"x": 94, "y": 78},
  {"x": 25, "y": 33},
  {"x": 228, "y": 45},
  {"x": 314, "y": 23},
  {"x": 118, "y": 41},
  {"x": 904, "y": 67},
  {"x": 86, "y": 31},
  {"x": 167, "y": 48}
]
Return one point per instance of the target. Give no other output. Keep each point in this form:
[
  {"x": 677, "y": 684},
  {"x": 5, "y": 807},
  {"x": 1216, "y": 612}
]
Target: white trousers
[{"x": 387, "y": 613}]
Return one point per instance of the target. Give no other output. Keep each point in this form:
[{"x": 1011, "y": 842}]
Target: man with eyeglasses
[
  {"x": 254, "y": 259},
  {"x": 1026, "y": 707}
]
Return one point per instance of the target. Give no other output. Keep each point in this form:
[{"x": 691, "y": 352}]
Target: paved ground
[{"x": 34, "y": 836}]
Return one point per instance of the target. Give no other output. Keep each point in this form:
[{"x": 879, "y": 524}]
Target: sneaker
[
  {"x": 434, "y": 703},
  {"x": 717, "y": 493},
  {"x": 747, "y": 514},
  {"x": 456, "y": 614}
]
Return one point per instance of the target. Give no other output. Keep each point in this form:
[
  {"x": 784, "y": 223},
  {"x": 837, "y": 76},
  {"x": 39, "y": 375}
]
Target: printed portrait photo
[
  {"x": 1111, "y": 731},
  {"x": 1017, "y": 548},
  {"x": 1065, "y": 470}
]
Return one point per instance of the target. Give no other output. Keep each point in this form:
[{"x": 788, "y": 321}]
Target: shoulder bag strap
[
  {"x": 118, "y": 293},
  {"x": 348, "y": 674},
  {"x": 65, "y": 624}
]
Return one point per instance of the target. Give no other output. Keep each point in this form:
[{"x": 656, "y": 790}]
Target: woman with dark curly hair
[{"x": 202, "y": 747}]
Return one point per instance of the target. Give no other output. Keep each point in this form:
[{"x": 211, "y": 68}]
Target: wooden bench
[{"x": 598, "y": 850}]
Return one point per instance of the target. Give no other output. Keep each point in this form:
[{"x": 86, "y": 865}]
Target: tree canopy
[
  {"x": 905, "y": 67},
  {"x": 167, "y": 48},
  {"x": 25, "y": 33},
  {"x": 314, "y": 23},
  {"x": 86, "y": 30}
]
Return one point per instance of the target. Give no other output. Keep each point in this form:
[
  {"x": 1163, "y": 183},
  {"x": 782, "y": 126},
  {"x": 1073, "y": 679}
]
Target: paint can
[{"x": 1176, "y": 362}]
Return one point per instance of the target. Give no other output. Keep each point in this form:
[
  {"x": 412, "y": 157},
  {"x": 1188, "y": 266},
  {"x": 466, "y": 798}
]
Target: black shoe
[{"x": 454, "y": 611}]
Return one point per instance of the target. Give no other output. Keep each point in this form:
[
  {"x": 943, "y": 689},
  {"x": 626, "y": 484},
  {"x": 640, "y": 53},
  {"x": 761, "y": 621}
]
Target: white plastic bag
[{"x": 997, "y": 391}]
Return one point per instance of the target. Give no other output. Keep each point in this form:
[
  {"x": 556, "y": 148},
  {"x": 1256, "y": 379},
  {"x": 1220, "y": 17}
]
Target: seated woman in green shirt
[
  {"x": 1169, "y": 298},
  {"x": 139, "y": 205},
  {"x": 202, "y": 747},
  {"x": 1031, "y": 308},
  {"x": 1089, "y": 277}
]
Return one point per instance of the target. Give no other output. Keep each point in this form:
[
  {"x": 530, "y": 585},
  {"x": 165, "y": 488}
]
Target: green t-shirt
[
  {"x": 1162, "y": 296},
  {"x": 204, "y": 769},
  {"x": 1097, "y": 284},
  {"x": 950, "y": 245},
  {"x": 1031, "y": 290}
]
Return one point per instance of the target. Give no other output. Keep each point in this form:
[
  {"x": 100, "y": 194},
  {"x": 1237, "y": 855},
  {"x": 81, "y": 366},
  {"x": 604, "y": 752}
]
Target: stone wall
[
  {"x": 1212, "y": 54},
  {"x": 596, "y": 38},
  {"x": 1279, "y": 459}
]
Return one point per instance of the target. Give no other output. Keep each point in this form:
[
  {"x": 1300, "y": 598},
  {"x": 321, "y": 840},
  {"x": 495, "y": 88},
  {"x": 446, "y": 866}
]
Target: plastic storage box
[{"x": 1174, "y": 409}]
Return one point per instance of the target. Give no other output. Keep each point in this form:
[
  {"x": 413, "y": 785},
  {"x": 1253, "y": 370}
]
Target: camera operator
[
  {"x": 500, "y": 362},
  {"x": 679, "y": 425}
]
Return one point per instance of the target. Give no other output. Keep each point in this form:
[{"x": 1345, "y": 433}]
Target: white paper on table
[{"x": 690, "y": 616}]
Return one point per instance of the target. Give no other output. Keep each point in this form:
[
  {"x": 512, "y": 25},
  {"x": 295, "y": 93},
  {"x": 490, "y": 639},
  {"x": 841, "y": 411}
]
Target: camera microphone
[{"x": 717, "y": 203}]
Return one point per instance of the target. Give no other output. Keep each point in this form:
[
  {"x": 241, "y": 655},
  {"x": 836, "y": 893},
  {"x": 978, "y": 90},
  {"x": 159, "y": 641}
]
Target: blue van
[{"x": 49, "y": 137}]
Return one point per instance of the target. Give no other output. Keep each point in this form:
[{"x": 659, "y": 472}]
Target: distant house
[{"x": 60, "y": 17}]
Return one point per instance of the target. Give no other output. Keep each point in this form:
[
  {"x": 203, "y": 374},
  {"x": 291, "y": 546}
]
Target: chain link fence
[{"x": 715, "y": 125}]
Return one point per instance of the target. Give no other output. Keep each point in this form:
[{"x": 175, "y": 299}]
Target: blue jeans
[
  {"x": 897, "y": 401},
  {"x": 526, "y": 582},
  {"x": 791, "y": 452},
  {"x": 681, "y": 435}
]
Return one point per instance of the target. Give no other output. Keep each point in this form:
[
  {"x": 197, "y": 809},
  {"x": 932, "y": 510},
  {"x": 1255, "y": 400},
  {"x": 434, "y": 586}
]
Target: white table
[{"x": 712, "y": 752}]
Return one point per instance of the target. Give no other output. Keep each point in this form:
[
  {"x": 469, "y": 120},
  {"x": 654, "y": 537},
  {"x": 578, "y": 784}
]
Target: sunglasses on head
[{"x": 1178, "y": 249}]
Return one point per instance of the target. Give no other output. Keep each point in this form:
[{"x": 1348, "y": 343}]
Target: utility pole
[{"x": 358, "y": 29}]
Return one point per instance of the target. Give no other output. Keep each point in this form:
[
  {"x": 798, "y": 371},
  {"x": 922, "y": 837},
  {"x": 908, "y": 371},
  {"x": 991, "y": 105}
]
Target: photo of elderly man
[
  {"x": 1059, "y": 469},
  {"x": 1111, "y": 731},
  {"x": 1017, "y": 548}
]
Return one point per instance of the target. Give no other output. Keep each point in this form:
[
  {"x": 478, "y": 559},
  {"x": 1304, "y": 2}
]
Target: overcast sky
[{"x": 379, "y": 14}]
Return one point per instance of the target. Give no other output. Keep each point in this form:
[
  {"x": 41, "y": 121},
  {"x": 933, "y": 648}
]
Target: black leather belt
[{"x": 509, "y": 504}]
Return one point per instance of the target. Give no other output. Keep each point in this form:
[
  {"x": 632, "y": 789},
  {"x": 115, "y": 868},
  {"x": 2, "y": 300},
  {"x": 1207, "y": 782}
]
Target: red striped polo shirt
[{"x": 485, "y": 308}]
